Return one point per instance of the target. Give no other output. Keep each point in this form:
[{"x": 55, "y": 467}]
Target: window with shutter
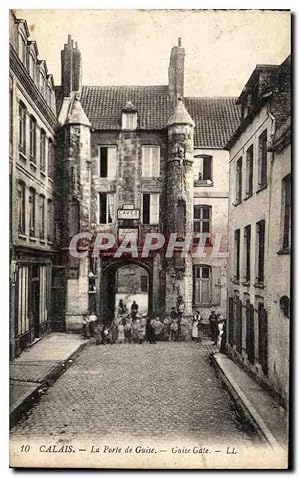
[
  {"x": 260, "y": 251},
  {"x": 202, "y": 285},
  {"x": 202, "y": 218},
  {"x": 107, "y": 161},
  {"x": 106, "y": 208},
  {"x": 262, "y": 159},
  {"x": 203, "y": 168},
  {"x": 150, "y": 208},
  {"x": 150, "y": 161},
  {"x": 215, "y": 285},
  {"x": 238, "y": 181},
  {"x": 286, "y": 212}
]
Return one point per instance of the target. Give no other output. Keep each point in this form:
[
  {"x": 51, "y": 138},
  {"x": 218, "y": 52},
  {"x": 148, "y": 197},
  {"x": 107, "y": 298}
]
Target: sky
[{"x": 132, "y": 47}]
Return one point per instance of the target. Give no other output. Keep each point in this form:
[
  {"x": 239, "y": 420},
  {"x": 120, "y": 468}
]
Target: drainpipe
[{"x": 273, "y": 125}]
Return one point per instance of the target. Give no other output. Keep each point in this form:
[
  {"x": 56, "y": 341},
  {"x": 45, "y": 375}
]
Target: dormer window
[
  {"x": 22, "y": 48},
  {"x": 129, "y": 116},
  {"x": 32, "y": 67}
]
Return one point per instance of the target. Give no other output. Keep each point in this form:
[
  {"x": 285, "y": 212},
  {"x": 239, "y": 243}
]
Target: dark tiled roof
[
  {"x": 216, "y": 118},
  {"x": 103, "y": 105}
]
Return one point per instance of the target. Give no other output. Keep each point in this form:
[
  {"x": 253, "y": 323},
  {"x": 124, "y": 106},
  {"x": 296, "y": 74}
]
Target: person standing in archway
[{"x": 134, "y": 307}]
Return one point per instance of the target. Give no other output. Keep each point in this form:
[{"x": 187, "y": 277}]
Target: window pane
[
  {"x": 102, "y": 207},
  {"x": 112, "y": 159},
  {"x": 110, "y": 208},
  {"x": 205, "y": 272},
  {"x": 103, "y": 162},
  {"x": 207, "y": 160},
  {"x": 197, "y": 212},
  {"x": 155, "y": 161},
  {"x": 205, "y": 213},
  {"x": 146, "y": 208},
  {"x": 154, "y": 208}
]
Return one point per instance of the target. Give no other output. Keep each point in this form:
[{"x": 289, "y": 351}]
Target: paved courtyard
[{"x": 165, "y": 390}]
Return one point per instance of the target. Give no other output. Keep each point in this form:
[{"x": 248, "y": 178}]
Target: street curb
[
  {"x": 29, "y": 400},
  {"x": 243, "y": 404}
]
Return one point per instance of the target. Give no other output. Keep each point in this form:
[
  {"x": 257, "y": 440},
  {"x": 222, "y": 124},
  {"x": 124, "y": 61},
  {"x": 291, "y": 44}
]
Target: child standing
[{"x": 121, "y": 335}]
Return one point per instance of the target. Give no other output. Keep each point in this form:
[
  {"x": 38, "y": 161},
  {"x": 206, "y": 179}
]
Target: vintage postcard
[{"x": 150, "y": 236}]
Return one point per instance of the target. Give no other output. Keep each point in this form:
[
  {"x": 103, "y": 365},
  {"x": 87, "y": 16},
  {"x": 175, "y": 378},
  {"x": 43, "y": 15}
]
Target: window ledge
[
  {"x": 33, "y": 164},
  {"x": 50, "y": 179},
  {"x": 235, "y": 281},
  {"x": 261, "y": 188},
  {"x": 42, "y": 241},
  {"x": 259, "y": 285},
  {"x": 43, "y": 173},
  {"x": 22, "y": 156},
  {"x": 22, "y": 236},
  {"x": 246, "y": 283},
  {"x": 50, "y": 242},
  {"x": 236, "y": 203},
  {"x": 248, "y": 196},
  {"x": 203, "y": 183},
  {"x": 284, "y": 251},
  {"x": 32, "y": 238}
]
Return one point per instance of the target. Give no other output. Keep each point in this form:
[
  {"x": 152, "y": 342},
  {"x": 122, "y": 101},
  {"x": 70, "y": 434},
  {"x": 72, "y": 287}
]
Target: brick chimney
[
  {"x": 70, "y": 68},
  {"x": 176, "y": 71}
]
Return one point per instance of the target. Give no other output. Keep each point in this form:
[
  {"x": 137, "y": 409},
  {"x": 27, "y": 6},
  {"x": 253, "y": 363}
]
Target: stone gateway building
[
  {"x": 140, "y": 159},
  {"x": 111, "y": 159}
]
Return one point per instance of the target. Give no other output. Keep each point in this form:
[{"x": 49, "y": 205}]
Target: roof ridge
[
  {"x": 125, "y": 86},
  {"x": 210, "y": 97}
]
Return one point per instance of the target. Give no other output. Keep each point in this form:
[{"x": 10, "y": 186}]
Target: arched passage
[{"x": 126, "y": 279}]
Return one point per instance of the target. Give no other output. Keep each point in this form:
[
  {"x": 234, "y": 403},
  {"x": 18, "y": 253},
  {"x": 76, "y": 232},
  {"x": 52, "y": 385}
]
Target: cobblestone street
[{"x": 166, "y": 390}]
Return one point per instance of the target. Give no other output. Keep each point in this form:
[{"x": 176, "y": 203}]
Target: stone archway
[{"x": 110, "y": 288}]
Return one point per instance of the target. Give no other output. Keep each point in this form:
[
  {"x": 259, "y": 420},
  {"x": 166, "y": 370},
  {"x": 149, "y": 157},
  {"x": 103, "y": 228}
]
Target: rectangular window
[
  {"x": 262, "y": 159},
  {"x": 262, "y": 337},
  {"x": 237, "y": 234},
  {"x": 107, "y": 161},
  {"x": 260, "y": 251},
  {"x": 106, "y": 208},
  {"x": 11, "y": 119},
  {"x": 21, "y": 207},
  {"x": 42, "y": 84},
  {"x": 238, "y": 180},
  {"x": 150, "y": 161},
  {"x": 129, "y": 120},
  {"x": 50, "y": 159},
  {"x": 50, "y": 220},
  {"x": 22, "y": 48},
  {"x": 202, "y": 285},
  {"x": 286, "y": 211},
  {"x": 249, "y": 171},
  {"x": 43, "y": 151},
  {"x": 247, "y": 252},
  {"x": 43, "y": 313},
  {"x": 22, "y": 323},
  {"x": 202, "y": 218},
  {"x": 32, "y": 67},
  {"x": 32, "y": 139},
  {"x": 150, "y": 208},
  {"x": 42, "y": 217},
  {"x": 32, "y": 212},
  {"x": 22, "y": 128},
  {"x": 203, "y": 168}
]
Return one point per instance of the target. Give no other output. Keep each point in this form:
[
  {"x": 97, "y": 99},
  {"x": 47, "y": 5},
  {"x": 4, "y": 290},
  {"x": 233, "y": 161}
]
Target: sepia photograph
[{"x": 150, "y": 239}]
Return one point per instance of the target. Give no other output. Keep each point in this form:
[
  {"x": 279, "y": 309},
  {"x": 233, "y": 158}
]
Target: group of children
[
  {"x": 135, "y": 328},
  {"x": 131, "y": 327}
]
